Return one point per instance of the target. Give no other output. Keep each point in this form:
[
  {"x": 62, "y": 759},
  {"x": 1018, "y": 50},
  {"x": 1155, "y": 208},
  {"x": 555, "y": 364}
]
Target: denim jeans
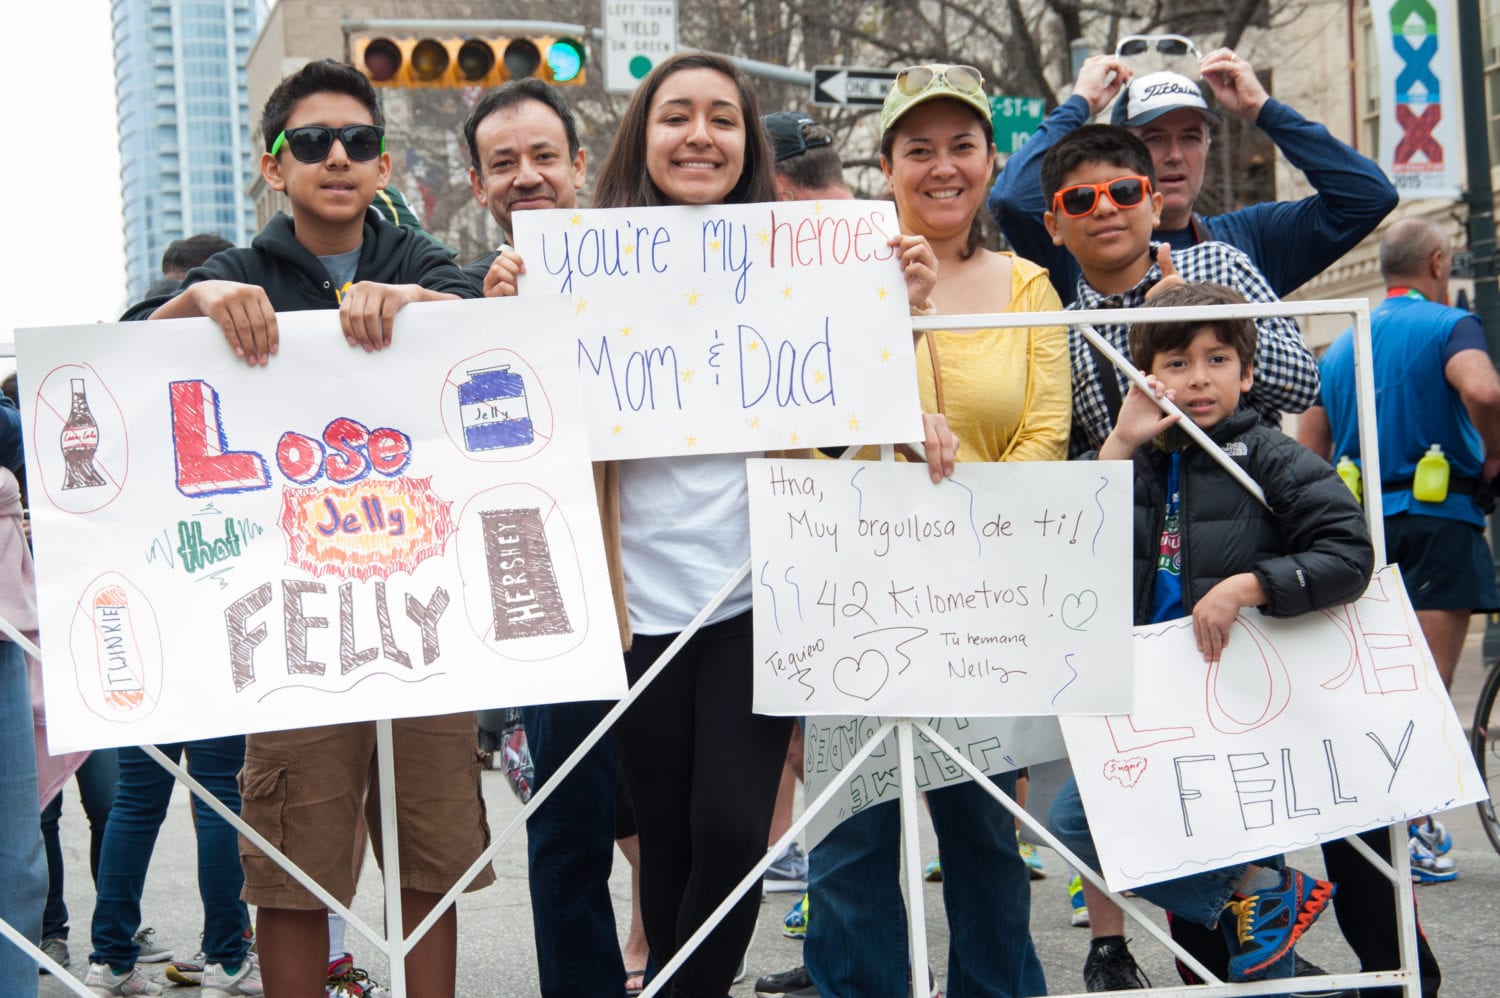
[
  {"x": 856, "y": 928},
  {"x": 1198, "y": 897},
  {"x": 141, "y": 800},
  {"x": 570, "y": 844},
  {"x": 96, "y": 789},
  {"x": 23, "y": 867}
]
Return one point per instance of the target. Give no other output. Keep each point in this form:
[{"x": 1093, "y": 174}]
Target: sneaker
[
  {"x": 788, "y": 873},
  {"x": 56, "y": 951},
  {"x": 186, "y": 971},
  {"x": 1269, "y": 923},
  {"x": 345, "y": 980},
  {"x": 1434, "y": 835},
  {"x": 1075, "y": 898},
  {"x": 1033, "y": 861},
  {"x": 245, "y": 981},
  {"x": 1427, "y": 868},
  {"x": 103, "y": 981},
  {"x": 933, "y": 871},
  {"x": 794, "y": 925},
  {"x": 787, "y": 982},
  {"x": 151, "y": 951},
  {"x": 1110, "y": 967}
]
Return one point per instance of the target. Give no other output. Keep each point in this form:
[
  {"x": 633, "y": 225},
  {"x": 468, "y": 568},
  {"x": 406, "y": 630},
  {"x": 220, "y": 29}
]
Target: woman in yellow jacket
[{"x": 1006, "y": 395}]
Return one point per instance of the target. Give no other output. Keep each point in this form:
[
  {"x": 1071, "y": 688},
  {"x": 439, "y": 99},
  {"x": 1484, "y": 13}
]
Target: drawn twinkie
[{"x": 325, "y": 538}]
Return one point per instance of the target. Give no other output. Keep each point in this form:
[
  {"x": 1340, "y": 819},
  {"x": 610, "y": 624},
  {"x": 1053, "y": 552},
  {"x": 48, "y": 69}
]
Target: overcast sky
[{"x": 64, "y": 260}]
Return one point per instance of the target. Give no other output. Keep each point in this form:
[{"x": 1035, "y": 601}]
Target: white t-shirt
[{"x": 684, "y": 530}]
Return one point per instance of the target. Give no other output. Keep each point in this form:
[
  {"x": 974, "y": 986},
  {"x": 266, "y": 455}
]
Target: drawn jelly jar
[{"x": 493, "y": 410}]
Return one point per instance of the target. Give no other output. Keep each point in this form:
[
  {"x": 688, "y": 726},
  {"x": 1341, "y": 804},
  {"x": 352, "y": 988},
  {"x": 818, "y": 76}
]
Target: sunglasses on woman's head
[
  {"x": 914, "y": 79},
  {"x": 1081, "y": 199},
  {"x": 312, "y": 143}
]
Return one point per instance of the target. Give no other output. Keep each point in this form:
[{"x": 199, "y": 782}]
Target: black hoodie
[{"x": 294, "y": 279}]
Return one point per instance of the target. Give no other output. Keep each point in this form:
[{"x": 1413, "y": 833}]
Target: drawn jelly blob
[
  {"x": 495, "y": 408},
  {"x": 78, "y": 440},
  {"x": 523, "y": 586},
  {"x": 493, "y": 411},
  {"x": 1126, "y": 772},
  {"x": 861, "y": 677},
  {"x": 1078, "y": 609},
  {"x": 371, "y": 529},
  {"x": 115, "y": 643}
]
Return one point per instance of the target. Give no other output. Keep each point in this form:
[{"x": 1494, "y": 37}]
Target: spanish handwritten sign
[
  {"x": 993, "y": 744},
  {"x": 1305, "y": 730},
  {"x": 732, "y": 328},
  {"x": 334, "y": 537},
  {"x": 1003, "y": 591}
]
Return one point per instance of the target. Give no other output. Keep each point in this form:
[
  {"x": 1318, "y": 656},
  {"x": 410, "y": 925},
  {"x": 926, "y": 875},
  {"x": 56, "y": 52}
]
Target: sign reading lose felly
[
  {"x": 336, "y": 536},
  {"x": 1305, "y": 729},
  {"x": 730, "y": 328},
  {"x": 1005, "y": 590}
]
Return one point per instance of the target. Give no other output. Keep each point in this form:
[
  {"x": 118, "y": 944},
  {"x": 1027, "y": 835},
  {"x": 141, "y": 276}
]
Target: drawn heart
[
  {"x": 862, "y": 677},
  {"x": 1126, "y": 772},
  {"x": 1080, "y": 607}
]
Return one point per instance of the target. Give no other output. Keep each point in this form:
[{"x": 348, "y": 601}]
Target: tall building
[{"x": 185, "y": 151}]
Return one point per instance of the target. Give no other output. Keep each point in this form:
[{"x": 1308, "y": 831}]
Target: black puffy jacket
[{"x": 1310, "y": 551}]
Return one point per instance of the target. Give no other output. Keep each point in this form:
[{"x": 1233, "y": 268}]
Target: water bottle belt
[{"x": 1458, "y": 485}]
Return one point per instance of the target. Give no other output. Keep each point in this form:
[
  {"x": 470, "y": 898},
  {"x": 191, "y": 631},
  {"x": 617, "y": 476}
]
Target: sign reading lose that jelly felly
[
  {"x": 336, "y": 536},
  {"x": 1004, "y": 590},
  {"x": 1306, "y": 729},
  {"x": 993, "y": 744},
  {"x": 731, "y": 328}
]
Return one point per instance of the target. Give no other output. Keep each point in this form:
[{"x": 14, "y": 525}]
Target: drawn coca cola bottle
[{"x": 80, "y": 439}]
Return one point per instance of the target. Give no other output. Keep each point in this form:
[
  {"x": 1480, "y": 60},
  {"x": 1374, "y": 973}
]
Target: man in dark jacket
[{"x": 1290, "y": 242}]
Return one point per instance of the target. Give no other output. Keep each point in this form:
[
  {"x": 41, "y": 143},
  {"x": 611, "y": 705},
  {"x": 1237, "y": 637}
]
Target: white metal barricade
[{"x": 395, "y": 947}]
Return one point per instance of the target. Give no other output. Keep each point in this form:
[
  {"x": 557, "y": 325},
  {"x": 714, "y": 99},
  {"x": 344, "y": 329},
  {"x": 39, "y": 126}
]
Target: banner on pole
[
  {"x": 334, "y": 537},
  {"x": 733, "y": 328},
  {"x": 1307, "y": 729},
  {"x": 1005, "y": 590},
  {"x": 993, "y": 744},
  {"x": 1419, "y": 99}
]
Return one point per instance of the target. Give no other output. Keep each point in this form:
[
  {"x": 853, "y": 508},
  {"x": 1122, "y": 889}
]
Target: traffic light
[{"x": 469, "y": 61}]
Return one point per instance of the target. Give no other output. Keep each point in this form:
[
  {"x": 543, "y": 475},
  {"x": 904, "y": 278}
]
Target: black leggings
[{"x": 703, "y": 772}]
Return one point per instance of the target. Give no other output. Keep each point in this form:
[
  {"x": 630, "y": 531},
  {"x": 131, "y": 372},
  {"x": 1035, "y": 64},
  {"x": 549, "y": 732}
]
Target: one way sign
[{"x": 839, "y": 85}]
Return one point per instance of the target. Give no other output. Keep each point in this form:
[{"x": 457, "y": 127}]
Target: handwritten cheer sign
[
  {"x": 732, "y": 328},
  {"x": 1307, "y": 729},
  {"x": 993, "y": 744},
  {"x": 334, "y": 537},
  {"x": 1003, "y": 591}
]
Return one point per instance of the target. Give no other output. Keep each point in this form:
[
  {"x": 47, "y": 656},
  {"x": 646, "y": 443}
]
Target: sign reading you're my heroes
[{"x": 730, "y": 328}]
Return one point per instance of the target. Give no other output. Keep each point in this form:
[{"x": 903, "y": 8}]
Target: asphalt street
[{"x": 496, "y": 956}]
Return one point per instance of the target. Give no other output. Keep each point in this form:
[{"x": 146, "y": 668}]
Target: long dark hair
[
  {"x": 623, "y": 181},
  {"x": 978, "y": 226}
]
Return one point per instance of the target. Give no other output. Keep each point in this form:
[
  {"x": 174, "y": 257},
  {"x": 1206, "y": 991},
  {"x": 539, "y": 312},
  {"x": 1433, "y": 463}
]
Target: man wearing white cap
[{"x": 1290, "y": 242}]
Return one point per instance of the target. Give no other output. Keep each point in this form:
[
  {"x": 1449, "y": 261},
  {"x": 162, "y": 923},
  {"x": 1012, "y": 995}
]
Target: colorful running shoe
[
  {"x": 1270, "y": 922},
  {"x": 345, "y": 980},
  {"x": 794, "y": 926},
  {"x": 933, "y": 871},
  {"x": 1075, "y": 898},
  {"x": 1427, "y": 868},
  {"x": 1434, "y": 835},
  {"x": 1033, "y": 861}
]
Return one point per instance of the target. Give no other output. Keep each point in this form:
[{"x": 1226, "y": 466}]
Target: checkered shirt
[{"x": 1286, "y": 375}]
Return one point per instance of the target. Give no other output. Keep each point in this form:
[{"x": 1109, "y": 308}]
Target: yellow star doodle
[
  {"x": 690, "y": 440},
  {"x": 880, "y": 293},
  {"x": 794, "y": 438},
  {"x": 853, "y": 421},
  {"x": 753, "y": 423},
  {"x": 687, "y": 375},
  {"x": 714, "y": 245},
  {"x": 818, "y": 377},
  {"x": 692, "y": 297},
  {"x": 616, "y": 429},
  {"x": 786, "y": 292},
  {"x": 885, "y": 355},
  {"x": 580, "y": 305},
  {"x": 765, "y": 236},
  {"x": 575, "y": 220},
  {"x": 624, "y": 330}
]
